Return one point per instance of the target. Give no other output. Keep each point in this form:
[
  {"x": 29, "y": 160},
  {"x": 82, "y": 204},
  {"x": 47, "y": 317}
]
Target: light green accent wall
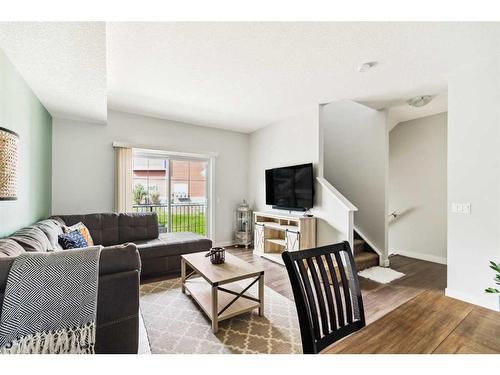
[{"x": 22, "y": 112}]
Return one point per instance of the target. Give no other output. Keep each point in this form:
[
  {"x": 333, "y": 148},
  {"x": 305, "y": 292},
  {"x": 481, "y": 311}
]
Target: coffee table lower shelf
[{"x": 201, "y": 292}]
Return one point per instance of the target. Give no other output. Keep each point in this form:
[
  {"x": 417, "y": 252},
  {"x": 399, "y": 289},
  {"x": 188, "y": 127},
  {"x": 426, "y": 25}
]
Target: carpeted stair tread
[
  {"x": 365, "y": 259},
  {"x": 359, "y": 245}
]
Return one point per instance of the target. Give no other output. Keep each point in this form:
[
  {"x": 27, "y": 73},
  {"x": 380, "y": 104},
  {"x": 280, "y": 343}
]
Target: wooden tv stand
[{"x": 275, "y": 233}]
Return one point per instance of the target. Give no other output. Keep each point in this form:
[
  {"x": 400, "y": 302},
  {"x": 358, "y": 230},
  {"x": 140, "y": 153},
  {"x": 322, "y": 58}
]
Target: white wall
[
  {"x": 288, "y": 142},
  {"x": 83, "y": 162},
  {"x": 356, "y": 163},
  {"x": 474, "y": 177},
  {"x": 417, "y": 188}
]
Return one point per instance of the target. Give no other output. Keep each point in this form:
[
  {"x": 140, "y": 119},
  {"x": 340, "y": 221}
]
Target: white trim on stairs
[
  {"x": 348, "y": 205},
  {"x": 382, "y": 262}
]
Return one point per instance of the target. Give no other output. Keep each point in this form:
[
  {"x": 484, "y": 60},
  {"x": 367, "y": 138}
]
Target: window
[{"x": 174, "y": 187}]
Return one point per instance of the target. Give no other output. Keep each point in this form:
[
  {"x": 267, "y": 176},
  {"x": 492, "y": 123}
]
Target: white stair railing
[{"x": 338, "y": 211}]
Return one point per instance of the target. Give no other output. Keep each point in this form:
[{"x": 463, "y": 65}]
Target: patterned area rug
[{"x": 175, "y": 324}]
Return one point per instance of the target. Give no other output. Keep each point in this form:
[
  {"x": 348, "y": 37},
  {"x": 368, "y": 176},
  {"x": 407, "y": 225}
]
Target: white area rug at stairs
[{"x": 383, "y": 275}]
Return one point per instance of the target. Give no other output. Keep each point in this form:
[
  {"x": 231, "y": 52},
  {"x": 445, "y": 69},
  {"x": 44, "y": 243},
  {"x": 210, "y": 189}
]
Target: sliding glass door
[
  {"x": 176, "y": 188},
  {"x": 188, "y": 195}
]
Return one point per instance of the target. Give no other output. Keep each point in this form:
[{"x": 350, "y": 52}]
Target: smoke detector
[
  {"x": 367, "y": 66},
  {"x": 419, "y": 101}
]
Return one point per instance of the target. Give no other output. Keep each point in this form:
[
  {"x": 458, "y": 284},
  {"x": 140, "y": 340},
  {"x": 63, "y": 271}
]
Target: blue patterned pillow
[{"x": 72, "y": 240}]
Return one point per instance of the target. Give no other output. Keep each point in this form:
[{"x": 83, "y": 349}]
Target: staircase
[{"x": 364, "y": 256}]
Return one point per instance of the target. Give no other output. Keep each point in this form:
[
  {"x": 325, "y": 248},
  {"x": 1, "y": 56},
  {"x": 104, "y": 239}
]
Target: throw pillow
[
  {"x": 72, "y": 240},
  {"x": 52, "y": 230},
  {"x": 83, "y": 231}
]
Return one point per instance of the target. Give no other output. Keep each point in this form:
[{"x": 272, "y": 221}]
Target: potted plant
[
  {"x": 139, "y": 193},
  {"x": 155, "y": 197},
  {"x": 495, "y": 267}
]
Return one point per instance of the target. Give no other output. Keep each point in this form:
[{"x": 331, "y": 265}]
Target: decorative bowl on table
[{"x": 217, "y": 255}]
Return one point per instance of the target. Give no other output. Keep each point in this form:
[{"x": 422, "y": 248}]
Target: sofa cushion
[
  {"x": 103, "y": 227},
  {"x": 10, "y": 248},
  {"x": 80, "y": 227},
  {"x": 32, "y": 238},
  {"x": 52, "y": 229},
  {"x": 72, "y": 240},
  {"x": 168, "y": 244},
  {"x": 137, "y": 226}
]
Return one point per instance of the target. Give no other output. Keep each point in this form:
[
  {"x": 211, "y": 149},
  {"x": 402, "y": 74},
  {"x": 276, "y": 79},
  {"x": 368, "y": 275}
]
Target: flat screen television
[{"x": 290, "y": 188}]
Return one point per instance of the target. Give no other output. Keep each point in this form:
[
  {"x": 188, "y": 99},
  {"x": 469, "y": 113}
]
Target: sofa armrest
[
  {"x": 5, "y": 265},
  {"x": 119, "y": 258},
  {"x": 118, "y": 300},
  {"x": 118, "y": 313}
]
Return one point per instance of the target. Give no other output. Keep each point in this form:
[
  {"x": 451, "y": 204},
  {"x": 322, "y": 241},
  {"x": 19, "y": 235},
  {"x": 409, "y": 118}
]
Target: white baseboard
[
  {"x": 427, "y": 257},
  {"x": 489, "y": 301},
  {"x": 224, "y": 243}
]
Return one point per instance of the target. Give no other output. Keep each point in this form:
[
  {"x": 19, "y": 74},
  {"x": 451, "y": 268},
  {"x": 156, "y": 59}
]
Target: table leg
[
  {"x": 215, "y": 310},
  {"x": 261, "y": 294},
  {"x": 183, "y": 275}
]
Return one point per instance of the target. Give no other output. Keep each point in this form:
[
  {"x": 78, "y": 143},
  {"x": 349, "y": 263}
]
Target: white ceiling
[
  {"x": 238, "y": 76},
  {"x": 243, "y": 76},
  {"x": 63, "y": 63}
]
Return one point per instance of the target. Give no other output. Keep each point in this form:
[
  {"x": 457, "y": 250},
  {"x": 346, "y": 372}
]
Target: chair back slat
[
  {"x": 328, "y": 308},
  {"x": 310, "y": 298},
  {"x": 336, "y": 290},
  {"x": 357, "y": 305},
  {"x": 328, "y": 292},
  {"x": 345, "y": 287},
  {"x": 319, "y": 297}
]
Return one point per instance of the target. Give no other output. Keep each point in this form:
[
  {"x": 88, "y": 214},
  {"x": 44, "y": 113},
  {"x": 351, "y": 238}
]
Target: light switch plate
[{"x": 461, "y": 208}]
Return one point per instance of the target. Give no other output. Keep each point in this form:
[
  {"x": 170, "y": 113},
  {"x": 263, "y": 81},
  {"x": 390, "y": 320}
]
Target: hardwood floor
[
  {"x": 426, "y": 320},
  {"x": 276, "y": 277},
  {"x": 378, "y": 299},
  {"x": 469, "y": 329},
  {"x": 479, "y": 332},
  {"x": 429, "y": 323}
]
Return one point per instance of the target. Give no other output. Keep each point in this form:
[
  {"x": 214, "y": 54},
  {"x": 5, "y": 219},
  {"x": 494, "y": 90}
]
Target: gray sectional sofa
[
  {"x": 129, "y": 240},
  {"x": 160, "y": 253}
]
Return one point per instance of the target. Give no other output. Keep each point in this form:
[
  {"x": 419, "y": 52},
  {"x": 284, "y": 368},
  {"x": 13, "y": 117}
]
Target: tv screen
[{"x": 290, "y": 188}]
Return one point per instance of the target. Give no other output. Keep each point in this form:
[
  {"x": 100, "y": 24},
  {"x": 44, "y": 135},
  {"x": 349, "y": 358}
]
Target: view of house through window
[{"x": 174, "y": 188}]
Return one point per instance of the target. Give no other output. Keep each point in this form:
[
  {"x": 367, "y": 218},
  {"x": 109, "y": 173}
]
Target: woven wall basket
[{"x": 9, "y": 149}]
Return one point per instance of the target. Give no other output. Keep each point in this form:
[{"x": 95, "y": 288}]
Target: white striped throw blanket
[{"x": 50, "y": 303}]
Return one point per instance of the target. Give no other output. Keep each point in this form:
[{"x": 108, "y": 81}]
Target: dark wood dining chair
[{"x": 327, "y": 295}]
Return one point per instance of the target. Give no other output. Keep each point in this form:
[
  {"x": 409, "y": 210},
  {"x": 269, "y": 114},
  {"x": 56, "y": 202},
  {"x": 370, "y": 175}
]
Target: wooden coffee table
[{"x": 204, "y": 284}]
